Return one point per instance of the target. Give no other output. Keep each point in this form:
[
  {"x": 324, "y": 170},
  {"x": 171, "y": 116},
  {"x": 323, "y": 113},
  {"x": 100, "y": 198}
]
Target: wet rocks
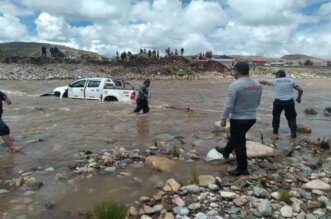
[
  {"x": 310, "y": 111},
  {"x": 159, "y": 163},
  {"x": 3, "y": 191},
  {"x": 303, "y": 128}
]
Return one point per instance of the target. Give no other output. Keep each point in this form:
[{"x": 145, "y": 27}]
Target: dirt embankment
[{"x": 31, "y": 68}]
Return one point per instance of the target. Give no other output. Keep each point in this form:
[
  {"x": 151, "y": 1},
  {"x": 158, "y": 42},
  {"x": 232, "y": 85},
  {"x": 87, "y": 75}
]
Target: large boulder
[
  {"x": 159, "y": 163},
  {"x": 303, "y": 128},
  {"x": 254, "y": 150}
]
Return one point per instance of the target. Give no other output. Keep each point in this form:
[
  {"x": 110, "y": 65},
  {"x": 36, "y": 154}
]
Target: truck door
[
  {"x": 93, "y": 89},
  {"x": 77, "y": 89}
]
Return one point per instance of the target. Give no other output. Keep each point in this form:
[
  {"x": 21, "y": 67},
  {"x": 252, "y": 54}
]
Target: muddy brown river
[{"x": 52, "y": 130}]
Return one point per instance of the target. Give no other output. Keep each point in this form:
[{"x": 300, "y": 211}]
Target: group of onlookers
[{"x": 55, "y": 52}]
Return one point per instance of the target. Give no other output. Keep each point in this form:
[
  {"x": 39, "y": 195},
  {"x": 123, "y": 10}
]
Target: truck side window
[
  {"x": 118, "y": 83},
  {"x": 79, "y": 84},
  {"x": 109, "y": 85},
  {"x": 93, "y": 83}
]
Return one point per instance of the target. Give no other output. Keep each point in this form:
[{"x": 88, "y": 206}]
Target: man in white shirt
[{"x": 284, "y": 100}]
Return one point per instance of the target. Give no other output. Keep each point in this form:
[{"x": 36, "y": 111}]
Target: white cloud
[
  {"x": 52, "y": 28},
  {"x": 265, "y": 12},
  {"x": 7, "y": 7},
  {"x": 12, "y": 29},
  {"x": 254, "y": 27},
  {"x": 325, "y": 9},
  {"x": 83, "y": 9}
]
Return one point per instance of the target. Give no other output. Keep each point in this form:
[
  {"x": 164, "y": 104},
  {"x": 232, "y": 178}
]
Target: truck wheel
[{"x": 111, "y": 99}]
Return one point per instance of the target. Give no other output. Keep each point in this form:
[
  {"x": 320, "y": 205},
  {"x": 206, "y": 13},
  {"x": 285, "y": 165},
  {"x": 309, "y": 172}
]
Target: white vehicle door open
[
  {"x": 93, "y": 89},
  {"x": 77, "y": 89}
]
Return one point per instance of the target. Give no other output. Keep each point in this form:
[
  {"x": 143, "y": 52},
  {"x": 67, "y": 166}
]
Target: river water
[{"x": 52, "y": 130}]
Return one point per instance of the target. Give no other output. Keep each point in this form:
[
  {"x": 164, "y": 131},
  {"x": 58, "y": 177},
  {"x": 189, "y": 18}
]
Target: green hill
[
  {"x": 32, "y": 49},
  {"x": 296, "y": 57}
]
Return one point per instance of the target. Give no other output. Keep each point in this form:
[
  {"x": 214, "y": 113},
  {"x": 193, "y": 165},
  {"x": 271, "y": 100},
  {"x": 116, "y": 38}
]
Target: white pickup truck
[{"x": 104, "y": 89}]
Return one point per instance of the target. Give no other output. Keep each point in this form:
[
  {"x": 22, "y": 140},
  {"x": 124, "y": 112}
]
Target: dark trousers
[
  {"x": 142, "y": 104},
  {"x": 237, "y": 141},
  {"x": 289, "y": 107}
]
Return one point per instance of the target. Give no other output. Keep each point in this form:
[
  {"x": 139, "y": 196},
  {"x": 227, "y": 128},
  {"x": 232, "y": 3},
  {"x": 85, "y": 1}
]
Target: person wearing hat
[
  {"x": 142, "y": 99},
  {"x": 243, "y": 98},
  {"x": 284, "y": 100}
]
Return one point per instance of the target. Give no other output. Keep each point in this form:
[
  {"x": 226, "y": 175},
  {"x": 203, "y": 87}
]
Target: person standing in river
[
  {"x": 4, "y": 129},
  {"x": 284, "y": 100},
  {"x": 142, "y": 99},
  {"x": 243, "y": 98}
]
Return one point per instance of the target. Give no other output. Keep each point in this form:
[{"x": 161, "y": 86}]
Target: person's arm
[
  {"x": 264, "y": 82},
  {"x": 259, "y": 99},
  {"x": 300, "y": 92},
  {"x": 228, "y": 104}
]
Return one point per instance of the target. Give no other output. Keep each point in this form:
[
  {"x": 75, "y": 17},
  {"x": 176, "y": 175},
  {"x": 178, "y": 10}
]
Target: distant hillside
[
  {"x": 32, "y": 49},
  {"x": 296, "y": 57}
]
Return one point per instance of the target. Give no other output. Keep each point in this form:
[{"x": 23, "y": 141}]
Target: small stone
[
  {"x": 169, "y": 216},
  {"x": 158, "y": 208},
  {"x": 228, "y": 195},
  {"x": 213, "y": 187},
  {"x": 29, "y": 193},
  {"x": 144, "y": 199},
  {"x": 301, "y": 215},
  {"x": 201, "y": 215},
  {"x": 240, "y": 201},
  {"x": 194, "y": 206},
  {"x": 31, "y": 181},
  {"x": 3, "y": 191},
  {"x": 178, "y": 201},
  {"x": 192, "y": 188},
  {"x": 213, "y": 205},
  {"x": 173, "y": 184},
  {"x": 145, "y": 217},
  {"x": 205, "y": 180},
  {"x": 50, "y": 169},
  {"x": 148, "y": 209},
  {"x": 265, "y": 208},
  {"x": 260, "y": 193},
  {"x": 181, "y": 210},
  {"x": 133, "y": 211},
  {"x": 286, "y": 211}
]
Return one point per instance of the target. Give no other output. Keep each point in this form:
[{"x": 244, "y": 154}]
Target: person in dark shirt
[
  {"x": 43, "y": 51},
  {"x": 142, "y": 99},
  {"x": 4, "y": 129}
]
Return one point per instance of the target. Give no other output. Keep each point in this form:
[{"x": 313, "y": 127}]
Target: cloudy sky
[{"x": 244, "y": 27}]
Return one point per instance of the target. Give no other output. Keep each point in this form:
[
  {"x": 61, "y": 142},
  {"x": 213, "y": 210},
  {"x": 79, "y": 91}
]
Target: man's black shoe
[
  {"x": 293, "y": 135},
  {"x": 221, "y": 151},
  {"x": 237, "y": 172}
]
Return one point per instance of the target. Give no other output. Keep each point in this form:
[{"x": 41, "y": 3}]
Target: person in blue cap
[{"x": 284, "y": 100}]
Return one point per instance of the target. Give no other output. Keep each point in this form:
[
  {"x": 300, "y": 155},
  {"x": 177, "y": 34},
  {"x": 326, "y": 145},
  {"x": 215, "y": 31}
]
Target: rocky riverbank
[
  {"x": 285, "y": 186},
  {"x": 179, "y": 69}
]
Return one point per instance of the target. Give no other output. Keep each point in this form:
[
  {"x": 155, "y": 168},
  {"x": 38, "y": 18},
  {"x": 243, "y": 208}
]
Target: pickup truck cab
[{"x": 104, "y": 89}]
